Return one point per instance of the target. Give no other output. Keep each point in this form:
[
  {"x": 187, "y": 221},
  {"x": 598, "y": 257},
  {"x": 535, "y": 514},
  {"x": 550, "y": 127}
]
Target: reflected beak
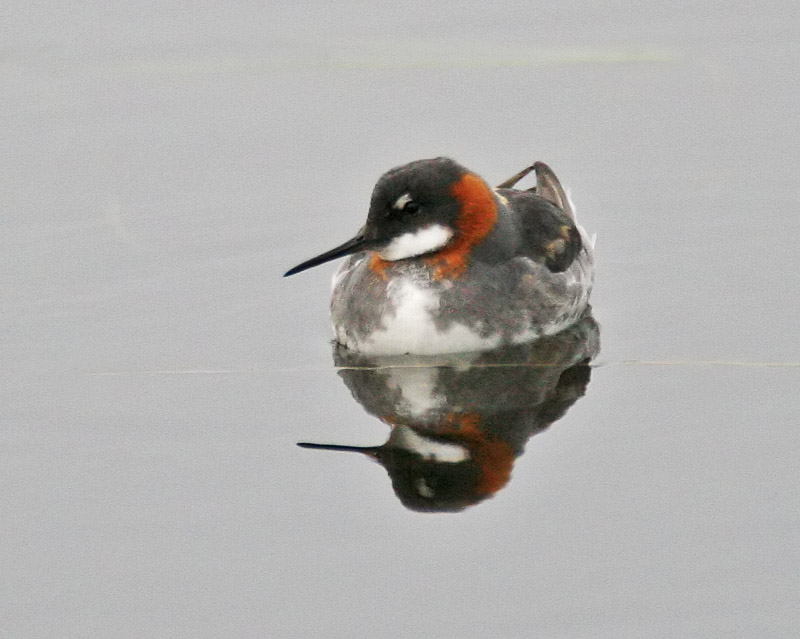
[
  {"x": 358, "y": 243},
  {"x": 372, "y": 451}
]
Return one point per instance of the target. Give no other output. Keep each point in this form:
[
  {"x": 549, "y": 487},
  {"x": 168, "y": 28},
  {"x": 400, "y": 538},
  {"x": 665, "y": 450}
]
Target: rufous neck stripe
[{"x": 476, "y": 219}]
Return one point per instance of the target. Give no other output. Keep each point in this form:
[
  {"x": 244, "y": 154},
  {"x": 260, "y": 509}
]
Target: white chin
[{"x": 425, "y": 240}]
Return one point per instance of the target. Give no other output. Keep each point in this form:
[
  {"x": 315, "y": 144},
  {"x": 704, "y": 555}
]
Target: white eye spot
[
  {"x": 400, "y": 202},
  {"x": 425, "y": 240},
  {"x": 424, "y": 489}
]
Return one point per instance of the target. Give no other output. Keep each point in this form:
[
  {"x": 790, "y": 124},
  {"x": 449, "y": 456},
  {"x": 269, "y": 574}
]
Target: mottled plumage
[{"x": 445, "y": 263}]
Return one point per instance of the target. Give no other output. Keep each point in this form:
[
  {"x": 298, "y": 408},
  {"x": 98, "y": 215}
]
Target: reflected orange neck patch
[{"x": 494, "y": 457}]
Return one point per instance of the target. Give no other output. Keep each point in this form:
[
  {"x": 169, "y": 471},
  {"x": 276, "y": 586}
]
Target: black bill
[{"x": 358, "y": 243}]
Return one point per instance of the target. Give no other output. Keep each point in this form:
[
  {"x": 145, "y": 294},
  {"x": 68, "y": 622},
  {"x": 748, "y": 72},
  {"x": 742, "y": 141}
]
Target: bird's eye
[
  {"x": 404, "y": 205},
  {"x": 411, "y": 207}
]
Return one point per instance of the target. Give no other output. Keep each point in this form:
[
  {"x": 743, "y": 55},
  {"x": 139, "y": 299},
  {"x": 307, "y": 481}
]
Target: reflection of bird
[
  {"x": 446, "y": 264},
  {"x": 458, "y": 422}
]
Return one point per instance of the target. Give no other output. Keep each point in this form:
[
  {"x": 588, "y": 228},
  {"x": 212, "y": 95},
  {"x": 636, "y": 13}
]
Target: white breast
[{"x": 412, "y": 330}]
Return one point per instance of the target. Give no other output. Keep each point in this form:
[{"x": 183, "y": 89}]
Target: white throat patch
[
  {"x": 425, "y": 240},
  {"x": 428, "y": 448}
]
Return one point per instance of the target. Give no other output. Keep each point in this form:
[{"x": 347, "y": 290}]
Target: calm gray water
[{"x": 160, "y": 167}]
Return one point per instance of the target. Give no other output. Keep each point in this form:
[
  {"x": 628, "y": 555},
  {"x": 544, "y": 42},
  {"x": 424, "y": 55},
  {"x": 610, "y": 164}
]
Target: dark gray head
[
  {"x": 418, "y": 209},
  {"x": 429, "y": 472},
  {"x": 412, "y": 197}
]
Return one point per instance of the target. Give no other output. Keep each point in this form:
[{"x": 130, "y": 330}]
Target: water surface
[{"x": 161, "y": 168}]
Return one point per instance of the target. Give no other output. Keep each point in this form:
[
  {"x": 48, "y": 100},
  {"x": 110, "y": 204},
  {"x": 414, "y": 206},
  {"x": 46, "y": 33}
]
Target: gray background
[{"x": 161, "y": 164}]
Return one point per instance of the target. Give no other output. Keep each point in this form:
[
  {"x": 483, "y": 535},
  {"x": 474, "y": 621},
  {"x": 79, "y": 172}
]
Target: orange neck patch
[
  {"x": 475, "y": 221},
  {"x": 379, "y": 266}
]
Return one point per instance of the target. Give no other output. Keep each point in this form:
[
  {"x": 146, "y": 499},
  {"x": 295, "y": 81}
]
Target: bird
[{"x": 445, "y": 263}]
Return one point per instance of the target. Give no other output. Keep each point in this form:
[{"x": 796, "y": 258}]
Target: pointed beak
[
  {"x": 372, "y": 451},
  {"x": 358, "y": 243}
]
